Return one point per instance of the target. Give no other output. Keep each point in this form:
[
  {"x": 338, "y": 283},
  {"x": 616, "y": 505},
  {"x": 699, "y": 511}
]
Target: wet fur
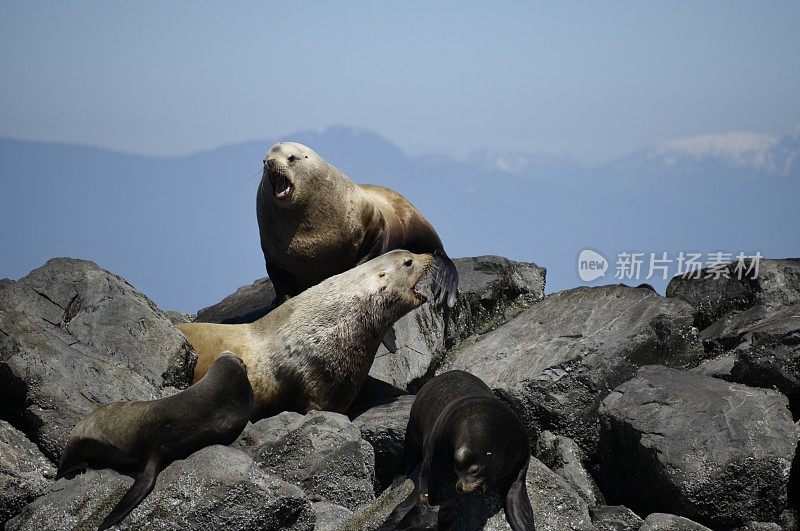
[
  {"x": 141, "y": 438},
  {"x": 457, "y": 410}
]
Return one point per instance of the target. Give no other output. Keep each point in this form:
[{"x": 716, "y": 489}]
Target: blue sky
[{"x": 593, "y": 80}]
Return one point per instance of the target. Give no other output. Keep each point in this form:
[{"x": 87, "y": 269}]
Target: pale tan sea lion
[{"x": 315, "y": 350}]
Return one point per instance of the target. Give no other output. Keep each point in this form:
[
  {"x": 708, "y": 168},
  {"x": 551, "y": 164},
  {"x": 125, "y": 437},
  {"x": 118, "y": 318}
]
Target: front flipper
[
  {"x": 445, "y": 279},
  {"x": 390, "y": 340},
  {"x": 519, "y": 512},
  {"x": 141, "y": 487}
]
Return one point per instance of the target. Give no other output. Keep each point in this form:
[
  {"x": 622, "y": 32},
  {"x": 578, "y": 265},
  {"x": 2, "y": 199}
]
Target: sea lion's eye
[
  {"x": 408, "y": 262},
  {"x": 292, "y": 158},
  {"x": 382, "y": 275}
]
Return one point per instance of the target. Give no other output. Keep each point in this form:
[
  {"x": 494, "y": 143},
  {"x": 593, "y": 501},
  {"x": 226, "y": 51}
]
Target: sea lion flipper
[
  {"x": 143, "y": 485},
  {"x": 390, "y": 340},
  {"x": 519, "y": 512},
  {"x": 445, "y": 280}
]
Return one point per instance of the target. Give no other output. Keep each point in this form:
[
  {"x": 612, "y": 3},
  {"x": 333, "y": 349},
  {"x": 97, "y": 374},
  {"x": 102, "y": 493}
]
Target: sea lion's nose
[{"x": 271, "y": 162}]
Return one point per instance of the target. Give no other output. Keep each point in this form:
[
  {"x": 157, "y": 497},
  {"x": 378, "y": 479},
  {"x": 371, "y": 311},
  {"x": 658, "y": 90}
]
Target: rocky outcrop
[
  {"x": 555, "y": 506},
  {"x": 74, "y": 336},
  {"x": 679, "y": 442},
  {"x": 330, "y": 517},
  {"x": 556, "y": 361},
  {"x": 738, "y": 287},
  {"x": 384, "y": 426},
  {"x": 770, "y": 364},
  {"x": 216, "y": 488},
  {"x": 321, "y": 452},
  {"x": 24, "y": 472},
  {"x": 615, "y": 518},
  {"x": 564, "y": 457},
  {"x": 492, "y": 290},
  {"x": 670, "y": 522}
]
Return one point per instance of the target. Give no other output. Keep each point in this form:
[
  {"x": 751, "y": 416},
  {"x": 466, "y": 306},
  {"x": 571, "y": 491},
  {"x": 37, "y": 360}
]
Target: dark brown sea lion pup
[
  {"x": 141, "y": 438},
  {"x": 464, "y": 436},
  {"x": 315, "y": 222},
  {"x": 314, "y": 351}
]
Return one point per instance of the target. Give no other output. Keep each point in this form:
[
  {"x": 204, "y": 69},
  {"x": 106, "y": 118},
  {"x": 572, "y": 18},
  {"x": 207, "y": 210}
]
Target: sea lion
[
  {"x": 315, "y": 350},
  {"x": 315, "y": 222},
  {"x": 464, "y": 437},
  {"x": 141, "y": 438}
]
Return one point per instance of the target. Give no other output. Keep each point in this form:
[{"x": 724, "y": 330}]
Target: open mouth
[
  {"x": 418, "y": 294},
  {"x": 281, "y": 185}
]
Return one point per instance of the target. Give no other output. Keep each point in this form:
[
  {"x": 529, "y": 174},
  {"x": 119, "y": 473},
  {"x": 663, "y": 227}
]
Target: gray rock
[
  {"x": 760, "y": 526},
  {"x": 384, "y": 427},
  {"x": 330, "y": 517},
  {"x": 177, "y": 318},
  {"x": 615, "y": 518},
  {"x": 714, "y": 297},
  {"x": 370, "y": 517},
  {"x": 556, "y": 361},
  {"x": 764, "y": 343},
  {"x": 716, "y": 452},
  {"x": 776, "y": 284},
  {"x": 564, "y": 457},
  {"x": 556, "y": 506},
  {"x": 24, "y": 472},
  {"x": 770, "y": 364},
  {"x": 216, "y": 488},
  {"x": 670, "y": 522},
  {"x": 789, "y": 520},
  {"x": 420, "y": 341},
  {"x": 774, "y": 324},
  {"x": 492, "y": 290},
  {"x": 719, "y": 367},
  {"x": 245, "y": 305},
  {"x": 321, "y": 452},
  {"x": 72, "y": 337}
]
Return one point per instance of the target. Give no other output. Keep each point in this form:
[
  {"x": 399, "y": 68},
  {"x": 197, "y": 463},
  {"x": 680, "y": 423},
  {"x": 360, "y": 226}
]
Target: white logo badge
[{"x": 591, "y": 265}]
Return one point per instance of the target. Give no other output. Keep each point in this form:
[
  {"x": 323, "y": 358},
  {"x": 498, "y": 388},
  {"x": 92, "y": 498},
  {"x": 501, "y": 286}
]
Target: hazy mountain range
[{"x": 183, "y": 230}]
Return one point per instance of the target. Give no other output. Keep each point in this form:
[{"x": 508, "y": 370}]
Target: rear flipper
[
  {"x": 390, "y": 340},
  {"x": 143, "y": 485},
  {"x": 72, "y": 471},
  {"x": 519, "y": 512},
  {"x": 445, "y": 279}
]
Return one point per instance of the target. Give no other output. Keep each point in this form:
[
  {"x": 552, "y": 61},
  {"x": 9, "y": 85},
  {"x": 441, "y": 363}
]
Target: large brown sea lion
[
  {"x": 142, "y": 438},
  {"x": 315, "y": 222},
  {"x": 314, "y": 351}
]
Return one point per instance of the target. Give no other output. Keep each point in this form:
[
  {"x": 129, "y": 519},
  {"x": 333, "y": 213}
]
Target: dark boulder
[
  {"x": 670, "y": 522},
  {"x": 384, "y": 427},
  {"x": 679, "y": 442},
  {"x": 24, "y": 472},
  {"x": 492, "y": 290},
  {"x": 216, "y": 488},
  {"x": 563, "y": 456},
  {"x": 557, "y": 360},
  {"x": 74, "y": 336},
  {"x": 321, "y": 452},
  {"x": 615, "y": 518},
  {"x": 729, "y": 288}
]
